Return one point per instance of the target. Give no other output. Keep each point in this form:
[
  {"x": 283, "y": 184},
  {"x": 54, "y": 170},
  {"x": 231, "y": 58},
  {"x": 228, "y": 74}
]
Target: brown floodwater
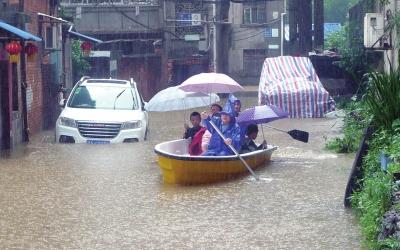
[{"x": 58, "y": 196}]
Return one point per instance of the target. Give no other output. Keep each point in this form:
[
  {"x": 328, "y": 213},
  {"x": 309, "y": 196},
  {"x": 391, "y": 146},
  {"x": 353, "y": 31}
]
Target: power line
[{"x": 256, "y": 34}]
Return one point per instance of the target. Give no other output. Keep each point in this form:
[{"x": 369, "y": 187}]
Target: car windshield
[{"x": 103, "y": 97}]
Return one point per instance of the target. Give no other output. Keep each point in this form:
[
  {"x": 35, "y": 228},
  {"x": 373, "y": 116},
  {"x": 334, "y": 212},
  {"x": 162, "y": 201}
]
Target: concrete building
[
  {"x": 155, "y": 42},
  {"x": 255, "y": 35}
]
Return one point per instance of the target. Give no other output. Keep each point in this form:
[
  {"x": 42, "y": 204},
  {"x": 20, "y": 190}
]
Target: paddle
[
  {"x": 234, "y": 151},
  {"x": 295, "y": 134}
]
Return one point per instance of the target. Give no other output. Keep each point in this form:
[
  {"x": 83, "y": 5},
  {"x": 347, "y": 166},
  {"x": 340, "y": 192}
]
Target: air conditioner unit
[{"x": 373, "y": 30}]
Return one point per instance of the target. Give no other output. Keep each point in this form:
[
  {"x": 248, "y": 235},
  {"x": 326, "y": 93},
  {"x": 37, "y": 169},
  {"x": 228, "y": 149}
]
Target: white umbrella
[
  {"x": 211, "y": 83},
  {"x": 173, "y": 98}
]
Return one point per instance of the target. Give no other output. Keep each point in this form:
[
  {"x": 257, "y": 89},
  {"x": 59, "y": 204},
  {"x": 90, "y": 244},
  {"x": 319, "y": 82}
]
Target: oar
[
  {"x": 234, "y": 151},
  {"x": 295, "y": 134}
]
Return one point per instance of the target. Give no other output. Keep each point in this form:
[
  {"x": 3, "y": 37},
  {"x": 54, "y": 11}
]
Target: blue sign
[
  {"x": 186, "y": 18},
  {"x": 268, "y": 32},
  {"x": 330, "y": 28}
]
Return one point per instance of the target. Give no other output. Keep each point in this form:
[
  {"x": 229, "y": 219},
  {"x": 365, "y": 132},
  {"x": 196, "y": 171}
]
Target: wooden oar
[
  {"x": 295, "y": 134},
  {"x": 234, "y": 151}
]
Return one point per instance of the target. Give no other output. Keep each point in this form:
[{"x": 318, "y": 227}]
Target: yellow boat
[{"x": 178, "y": 167}]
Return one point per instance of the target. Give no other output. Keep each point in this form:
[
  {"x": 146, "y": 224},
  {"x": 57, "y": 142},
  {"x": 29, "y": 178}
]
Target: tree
[{"x": 80, "y": 66}]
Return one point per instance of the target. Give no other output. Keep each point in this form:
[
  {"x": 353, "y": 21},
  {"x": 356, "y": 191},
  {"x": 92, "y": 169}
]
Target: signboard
[
  {"x": 185, "y": 18},
  {"x": 192, "y": 37},
  {"x": 331, "y": 27},
  {"x": 267, "y": 32},
  {"x": 196, "y": 19},
  {"x": 273, "y": 46},
  {"x": 275, "y": 32}
]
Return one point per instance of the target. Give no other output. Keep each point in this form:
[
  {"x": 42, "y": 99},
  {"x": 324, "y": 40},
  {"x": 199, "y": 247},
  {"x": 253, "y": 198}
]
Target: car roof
[{"x": 106, "y": 82}]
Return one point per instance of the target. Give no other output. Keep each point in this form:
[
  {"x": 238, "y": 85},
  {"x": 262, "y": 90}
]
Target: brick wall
[{"x": 34, "y": 69}]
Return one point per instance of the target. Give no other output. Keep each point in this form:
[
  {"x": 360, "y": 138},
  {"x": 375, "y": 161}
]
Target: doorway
[{"x": 5, "y": 139}]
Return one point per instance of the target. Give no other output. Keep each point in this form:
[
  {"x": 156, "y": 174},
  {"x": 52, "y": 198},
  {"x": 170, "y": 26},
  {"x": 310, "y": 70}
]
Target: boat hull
[{"x": 179, "y": 168}]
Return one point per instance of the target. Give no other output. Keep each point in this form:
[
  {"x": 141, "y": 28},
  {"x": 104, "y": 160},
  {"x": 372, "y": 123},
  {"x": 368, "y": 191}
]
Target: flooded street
[{"x": 59, "y": 196}]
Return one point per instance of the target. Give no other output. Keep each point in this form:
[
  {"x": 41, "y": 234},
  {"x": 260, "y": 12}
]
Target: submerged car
[{"x": 102, "y": 111}]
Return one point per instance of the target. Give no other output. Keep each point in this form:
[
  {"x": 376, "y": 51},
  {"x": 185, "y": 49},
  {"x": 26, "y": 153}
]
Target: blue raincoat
[{"x": 217, "y": 146}]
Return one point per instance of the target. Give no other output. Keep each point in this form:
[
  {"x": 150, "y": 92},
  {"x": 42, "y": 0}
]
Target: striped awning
[{"x": 18, "y": 32}]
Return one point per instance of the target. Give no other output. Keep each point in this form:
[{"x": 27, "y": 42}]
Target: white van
[{"x": 102, "y": 111}]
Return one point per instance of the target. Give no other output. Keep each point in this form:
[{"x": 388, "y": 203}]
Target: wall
[
  {"x": 113, "y": 20},
  {"x": 34, "y": 71},
  {"x": 251, "y": 38}
]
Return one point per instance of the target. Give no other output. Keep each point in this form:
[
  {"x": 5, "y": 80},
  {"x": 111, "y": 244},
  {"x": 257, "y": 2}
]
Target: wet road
[{"x": 112, "y": 197}]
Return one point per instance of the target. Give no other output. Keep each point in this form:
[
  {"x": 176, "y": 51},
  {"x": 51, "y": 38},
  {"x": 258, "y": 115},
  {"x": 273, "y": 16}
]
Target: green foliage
[
  {"x": 80, "y": 66},
  {"x": 348, "y": 43},
  {"x": 383, "y": 98},
  {"x": 372, "y": 202},
  {"x": 389, "y": 244},
  {"x": 354, "y": 123}
]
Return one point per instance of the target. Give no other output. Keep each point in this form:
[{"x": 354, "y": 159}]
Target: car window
[{"x": 103, "y": 97}]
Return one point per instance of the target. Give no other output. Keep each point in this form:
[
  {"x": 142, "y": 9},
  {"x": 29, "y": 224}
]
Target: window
[
  {"x": 253, "y": 60},
  {"x": 254, "y": 14},
  {"x": 103, "y": 97},
  {"x": 52, "y": 35}
]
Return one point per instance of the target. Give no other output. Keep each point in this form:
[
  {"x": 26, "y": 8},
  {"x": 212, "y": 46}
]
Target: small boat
[{"x": 179, "y": 167}]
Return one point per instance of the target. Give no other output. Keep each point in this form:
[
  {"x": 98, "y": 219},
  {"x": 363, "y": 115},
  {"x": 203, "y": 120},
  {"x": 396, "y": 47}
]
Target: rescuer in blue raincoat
[{"x": 229, "y": 128}]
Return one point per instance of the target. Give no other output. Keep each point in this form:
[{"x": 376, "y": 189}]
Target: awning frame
[{"x": 22, "y": 34}]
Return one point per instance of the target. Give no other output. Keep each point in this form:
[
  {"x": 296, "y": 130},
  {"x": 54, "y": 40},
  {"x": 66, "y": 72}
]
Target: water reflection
[{"x": 112, "y": 197}]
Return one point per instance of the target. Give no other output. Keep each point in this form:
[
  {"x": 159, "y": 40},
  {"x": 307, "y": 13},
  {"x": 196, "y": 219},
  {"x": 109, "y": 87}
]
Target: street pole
[
  {"x": 282, "y": 31},
  {"x": 215, "y": 68}
]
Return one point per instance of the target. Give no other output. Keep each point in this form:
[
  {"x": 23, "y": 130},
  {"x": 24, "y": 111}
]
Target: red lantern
[
  {"x": 13, "y": 48},
  {"x": 86, "y": 48},
  {"x": 31, "y": 51}
]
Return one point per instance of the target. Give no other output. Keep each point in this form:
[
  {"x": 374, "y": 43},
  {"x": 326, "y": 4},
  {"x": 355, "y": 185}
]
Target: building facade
[
  {"x": 255, "y": 35},
  {"x": 27, "y": 84}
]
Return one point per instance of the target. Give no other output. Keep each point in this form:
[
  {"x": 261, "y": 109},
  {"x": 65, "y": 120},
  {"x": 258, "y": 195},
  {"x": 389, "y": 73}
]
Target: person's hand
[
  {"x": 204, "y": 115},
  {"x": 228, "y": 141},
  {"x": 186, "y": 126},
  {"x": 264, "y": 144}
]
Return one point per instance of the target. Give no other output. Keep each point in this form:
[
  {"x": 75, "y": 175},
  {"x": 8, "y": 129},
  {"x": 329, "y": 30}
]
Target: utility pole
[
  {"x": 214, "y": 36},
  {"x": 318, "y": 24}
]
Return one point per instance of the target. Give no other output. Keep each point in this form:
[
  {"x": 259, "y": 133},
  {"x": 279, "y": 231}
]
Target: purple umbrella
[{"x": 261, "y": 114}]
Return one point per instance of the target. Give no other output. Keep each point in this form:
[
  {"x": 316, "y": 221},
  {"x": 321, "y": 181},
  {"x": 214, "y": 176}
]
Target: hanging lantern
[
  {"x": 31, "y": 51},
  {"x": 13, "y": 48},
  {"x": 86, "y": 48}
]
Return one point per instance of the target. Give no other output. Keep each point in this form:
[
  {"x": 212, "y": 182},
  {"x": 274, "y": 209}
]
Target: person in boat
[
  {"x": 229, "y": 128},
  {"x": 237, "y": 105},
  {"x": 215, "y": 108},
  {"x": 214, "y": 112},
  {"x": 195, "y": 119},
  {"x": 248, "y": 144}
]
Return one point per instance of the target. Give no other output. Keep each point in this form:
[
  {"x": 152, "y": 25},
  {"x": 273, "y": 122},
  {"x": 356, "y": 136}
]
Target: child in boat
[
  {"x": 229, "y": 128},
  {"x": 215, "y": 109},
  {"x": 195, "y": 119},
  {"x": 249, "y": 145},
  {"x": 237, "y": 105}
]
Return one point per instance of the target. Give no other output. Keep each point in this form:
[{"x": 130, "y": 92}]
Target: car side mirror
[{"x": 144, "y": 106}]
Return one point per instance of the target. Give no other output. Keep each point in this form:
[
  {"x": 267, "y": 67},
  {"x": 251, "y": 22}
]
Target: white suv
[{"x": 102, "y": 111}]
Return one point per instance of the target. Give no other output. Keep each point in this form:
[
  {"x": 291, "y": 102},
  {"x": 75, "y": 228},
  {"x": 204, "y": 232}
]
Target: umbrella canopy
[
  {"x": 173, "y": 98},
  {"x": 211, "y": 83},
  {"x": 261, "y": 114}
]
